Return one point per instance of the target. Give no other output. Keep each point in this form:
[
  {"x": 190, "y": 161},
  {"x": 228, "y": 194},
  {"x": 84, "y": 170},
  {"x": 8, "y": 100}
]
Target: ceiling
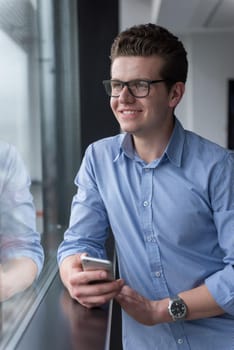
[{"x": 181, "y": 16}]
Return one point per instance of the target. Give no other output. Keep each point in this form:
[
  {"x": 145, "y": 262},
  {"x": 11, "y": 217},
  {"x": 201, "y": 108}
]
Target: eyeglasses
[{"x": 137, "y": 88}]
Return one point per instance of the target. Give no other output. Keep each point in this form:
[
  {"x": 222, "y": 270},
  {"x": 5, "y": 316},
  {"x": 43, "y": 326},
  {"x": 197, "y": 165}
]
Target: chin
[{"x": 126, "y": 129}]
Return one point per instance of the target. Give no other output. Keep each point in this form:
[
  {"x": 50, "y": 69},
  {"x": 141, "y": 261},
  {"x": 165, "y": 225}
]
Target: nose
[{"x": 126, "y": 96}]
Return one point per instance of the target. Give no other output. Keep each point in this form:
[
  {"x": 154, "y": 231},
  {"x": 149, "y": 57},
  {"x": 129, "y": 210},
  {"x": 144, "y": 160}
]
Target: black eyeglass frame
[{"x": 107, "y": 84}]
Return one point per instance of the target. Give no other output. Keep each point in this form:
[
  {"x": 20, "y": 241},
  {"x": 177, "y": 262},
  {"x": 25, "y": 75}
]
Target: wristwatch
[{"x": 177, "y": 308}]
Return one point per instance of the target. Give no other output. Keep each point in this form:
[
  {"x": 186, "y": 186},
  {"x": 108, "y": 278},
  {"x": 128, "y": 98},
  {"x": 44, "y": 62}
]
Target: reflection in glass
[
  {"x": 19, "y": 86},
  {"x": 21, "y": 254},
  {"x": 39, "y": 117}
]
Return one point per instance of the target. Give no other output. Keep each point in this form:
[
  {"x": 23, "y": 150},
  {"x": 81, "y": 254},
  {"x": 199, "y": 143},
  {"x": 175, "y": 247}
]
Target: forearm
[
  {"x": 199, "y": 301},
  {"x": 16, "y": 275}
]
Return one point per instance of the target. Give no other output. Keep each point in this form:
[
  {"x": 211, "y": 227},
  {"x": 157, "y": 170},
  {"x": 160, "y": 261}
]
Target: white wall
[
  {"x": 132, "y": 12},
  {"x": 211, "y": 63},
  {"x": 204, "y": 108}
]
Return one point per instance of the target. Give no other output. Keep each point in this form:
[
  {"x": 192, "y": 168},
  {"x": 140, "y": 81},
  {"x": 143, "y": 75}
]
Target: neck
[
  {"x": 153, "y": 147},
  {"x": 149, "y": 151}
]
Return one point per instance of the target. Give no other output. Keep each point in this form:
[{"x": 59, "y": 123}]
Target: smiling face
[{"x": 144, "y": 117}]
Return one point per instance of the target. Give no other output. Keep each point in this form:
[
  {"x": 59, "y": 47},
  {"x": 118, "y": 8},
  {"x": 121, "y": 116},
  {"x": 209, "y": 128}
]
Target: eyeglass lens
[{"x": 138, "y": 88}]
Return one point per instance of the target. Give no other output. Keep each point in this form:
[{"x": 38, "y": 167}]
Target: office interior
[{"x": 54, "y": 56}]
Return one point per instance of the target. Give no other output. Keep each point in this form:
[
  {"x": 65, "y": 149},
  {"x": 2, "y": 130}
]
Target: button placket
[
  {"x": 151, "y": 244},
  {"x": 146, "y": 194}
]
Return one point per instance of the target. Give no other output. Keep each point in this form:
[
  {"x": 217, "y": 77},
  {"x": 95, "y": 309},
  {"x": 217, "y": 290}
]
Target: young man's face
[{"x": 148, "y": 115}]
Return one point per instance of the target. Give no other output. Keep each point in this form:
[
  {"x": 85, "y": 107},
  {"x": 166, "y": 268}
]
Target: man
[
  {"x": 21, "y": 254},
  {"x": 168, "y": 196}
]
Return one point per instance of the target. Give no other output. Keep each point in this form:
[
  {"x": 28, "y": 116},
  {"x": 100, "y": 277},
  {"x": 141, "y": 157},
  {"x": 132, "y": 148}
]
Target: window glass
[
  {"x": 19, "y": 88},
  {"x": 40, "y": 119},
  {"x": 20, "y": 126}
]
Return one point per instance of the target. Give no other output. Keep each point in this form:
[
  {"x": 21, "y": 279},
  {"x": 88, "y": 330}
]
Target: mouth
[{"x": 129, "y": 113}]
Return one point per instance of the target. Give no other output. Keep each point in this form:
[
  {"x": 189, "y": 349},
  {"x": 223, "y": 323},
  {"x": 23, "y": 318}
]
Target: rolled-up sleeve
[
  {"x": 19, "y": 237},
  {"x": 221, "y": 284},
  {"x": 89, "y": 225}
]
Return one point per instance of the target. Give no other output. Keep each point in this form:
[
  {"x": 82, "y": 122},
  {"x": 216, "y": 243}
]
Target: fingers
[
  {"x": 87, "y": 277},
  {"x": 129, "y": 298},
  {"x": 89, "y": 288},
  {"x": 127, "y": 294},
  {"x": 98, "y": 294}
]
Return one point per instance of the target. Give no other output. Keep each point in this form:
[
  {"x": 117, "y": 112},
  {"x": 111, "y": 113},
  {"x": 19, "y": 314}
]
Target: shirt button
[
  {"x": 158, "y": 274},
  {"x": 145, "y": 203},
  {"x": 180, "y": 341}
]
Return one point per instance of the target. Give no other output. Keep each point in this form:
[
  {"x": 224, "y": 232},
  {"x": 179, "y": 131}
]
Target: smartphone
[{"x": 89, "y": 263}]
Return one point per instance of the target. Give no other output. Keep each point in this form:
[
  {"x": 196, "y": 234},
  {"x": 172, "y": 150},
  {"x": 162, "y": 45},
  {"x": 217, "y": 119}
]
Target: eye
[
  {"x": 139, "y": 85},
  {"x": 116, "y": 85}
]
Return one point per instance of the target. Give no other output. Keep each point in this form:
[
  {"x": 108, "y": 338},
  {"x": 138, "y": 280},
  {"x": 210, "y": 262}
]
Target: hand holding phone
[{"x": 90, "y": 264}]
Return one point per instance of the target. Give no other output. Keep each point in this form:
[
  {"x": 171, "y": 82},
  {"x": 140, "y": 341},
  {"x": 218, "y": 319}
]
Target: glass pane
[
  {"x": 19, "y": 127},
  {"x": 39, "y": 108}
]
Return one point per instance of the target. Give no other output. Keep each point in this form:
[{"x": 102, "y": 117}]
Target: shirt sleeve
[
  {"x": 221, "y": 284},
  {"x": 89, "y": 225},
  {"x": 18, "y": 234}
]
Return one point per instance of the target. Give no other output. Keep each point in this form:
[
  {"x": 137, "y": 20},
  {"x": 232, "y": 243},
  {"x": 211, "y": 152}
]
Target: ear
[{"x": 176, "y": 94}]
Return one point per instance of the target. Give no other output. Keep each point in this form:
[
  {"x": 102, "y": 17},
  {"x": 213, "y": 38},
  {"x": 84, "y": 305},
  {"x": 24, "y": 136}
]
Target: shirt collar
[{"x": 173, "y": 151}]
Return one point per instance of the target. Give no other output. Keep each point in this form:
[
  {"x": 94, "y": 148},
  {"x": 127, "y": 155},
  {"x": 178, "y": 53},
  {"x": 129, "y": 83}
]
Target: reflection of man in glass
[{"x": 21, "y": 254}]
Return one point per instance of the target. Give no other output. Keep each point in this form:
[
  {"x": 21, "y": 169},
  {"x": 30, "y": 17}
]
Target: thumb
[
  {"x": 79, "y": 260},
  {"x": 76, "y": 263}
]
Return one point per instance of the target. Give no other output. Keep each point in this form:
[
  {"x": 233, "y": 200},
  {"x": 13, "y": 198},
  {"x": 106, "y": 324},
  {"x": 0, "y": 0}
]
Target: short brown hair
[{"x": 150, "y": 39}]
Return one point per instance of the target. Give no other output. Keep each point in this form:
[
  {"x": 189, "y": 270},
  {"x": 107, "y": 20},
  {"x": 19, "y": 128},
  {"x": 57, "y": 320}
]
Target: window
[{"x": 40, "y": 117}]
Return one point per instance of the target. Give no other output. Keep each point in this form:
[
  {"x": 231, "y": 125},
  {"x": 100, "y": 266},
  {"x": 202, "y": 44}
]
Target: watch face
[{"x": 178, "y": 309}]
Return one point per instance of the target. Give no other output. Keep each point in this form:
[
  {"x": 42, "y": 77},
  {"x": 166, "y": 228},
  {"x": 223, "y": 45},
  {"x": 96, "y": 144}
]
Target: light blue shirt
[
  {"x": 18, "y": 235},
  {"x": 173, "y": 223}
]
